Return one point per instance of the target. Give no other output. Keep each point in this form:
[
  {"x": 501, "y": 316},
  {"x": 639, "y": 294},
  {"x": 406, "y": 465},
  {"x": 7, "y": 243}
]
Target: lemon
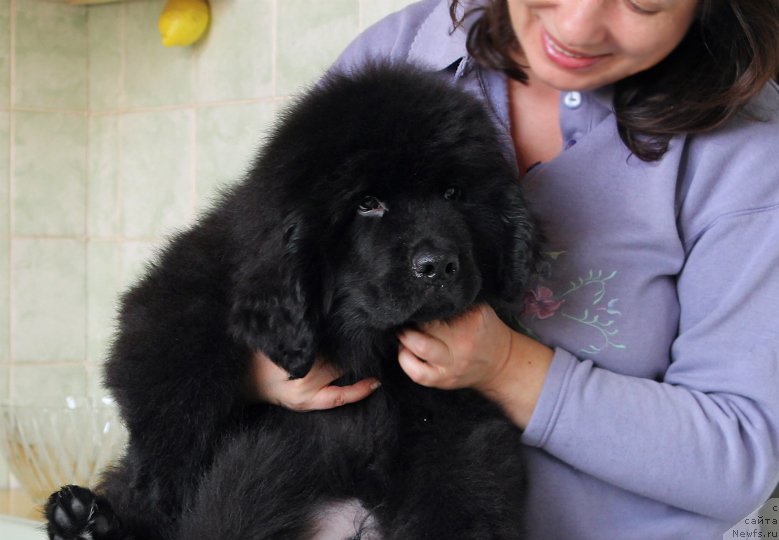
[{"x": 182, "y": 22}]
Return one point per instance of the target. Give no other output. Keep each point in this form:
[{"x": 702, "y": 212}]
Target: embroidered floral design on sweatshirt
[
  {"x": 590, "y": 290},
  {"x": 541, "y": 303}
]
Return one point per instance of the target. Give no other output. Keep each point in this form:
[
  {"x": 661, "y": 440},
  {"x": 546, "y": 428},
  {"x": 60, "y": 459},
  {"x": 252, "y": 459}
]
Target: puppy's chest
[{"x": 394, "y": 416}]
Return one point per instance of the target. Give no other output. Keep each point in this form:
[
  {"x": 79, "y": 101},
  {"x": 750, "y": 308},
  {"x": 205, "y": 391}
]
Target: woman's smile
[
  {"x": 565, "y": 57},
  {"x": 582, "y": 45}
]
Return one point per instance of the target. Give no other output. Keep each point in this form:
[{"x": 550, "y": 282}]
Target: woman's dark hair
[{"x": 728, "y": 55}]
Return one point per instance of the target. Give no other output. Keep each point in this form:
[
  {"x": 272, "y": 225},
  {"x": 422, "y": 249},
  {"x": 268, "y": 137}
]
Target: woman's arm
[{"x": 706, "y": 437}]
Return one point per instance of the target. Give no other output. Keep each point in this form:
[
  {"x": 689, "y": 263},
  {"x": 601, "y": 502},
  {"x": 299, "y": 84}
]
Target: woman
[{"x": 645, "y": 134}]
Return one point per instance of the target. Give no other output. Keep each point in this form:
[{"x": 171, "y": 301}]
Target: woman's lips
[{"x": 565, "y": 57}]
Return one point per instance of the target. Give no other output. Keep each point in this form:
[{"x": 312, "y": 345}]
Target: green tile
[
  {"x": 104, "y": 279},
  {"x": 135, "y": 259},
  {"x": 112, "y": 267},
  {"x": 49, "y": 173},
  {"x": 5, "y": 126},
  {"x": 102, "y": 180},
  {"x": 105, "y": 56},
  {"x": 227, "y": 141},
  {"x": 5, "y": 53},
  {"x": 95, "y": 386},
  {"x": 5, "y": 353},
  {"x": 51, "y": 56},
  {"x": 4, "y": 383},
  {"x": 156, "y": 184},
  {"x": 48, "y": 313},
  {"x": 372, "y": 11},
  {"x": 154, "y": 74},
  {"x": 4, "y": 238},
  {"x": 235, "y": 59},
  {"x": 48, "y": 383},
  {"x": 311, "y": 35}
]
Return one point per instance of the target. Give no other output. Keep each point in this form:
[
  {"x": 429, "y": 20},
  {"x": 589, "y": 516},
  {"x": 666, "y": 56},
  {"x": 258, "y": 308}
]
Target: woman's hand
[
  {"x": 467, "y": 352},
  {"x": 477, "y": 350},
  {"x": 271, "y": 384}
]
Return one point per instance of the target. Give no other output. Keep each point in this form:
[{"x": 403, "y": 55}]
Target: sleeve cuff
[{"x": 550, "y": 401}]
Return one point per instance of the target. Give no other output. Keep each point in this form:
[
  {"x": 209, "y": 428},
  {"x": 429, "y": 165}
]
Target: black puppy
[{"x": 381, "y": 201}]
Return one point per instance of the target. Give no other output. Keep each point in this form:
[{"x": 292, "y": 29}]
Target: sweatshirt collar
[{"x": 438, "y": 44}]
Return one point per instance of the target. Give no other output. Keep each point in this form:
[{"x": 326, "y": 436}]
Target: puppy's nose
[{"x": 435, "y": 265}]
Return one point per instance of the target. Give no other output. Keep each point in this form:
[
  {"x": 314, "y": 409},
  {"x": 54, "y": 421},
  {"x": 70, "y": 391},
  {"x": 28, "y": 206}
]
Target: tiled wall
[{"x": 109, "y": 141}]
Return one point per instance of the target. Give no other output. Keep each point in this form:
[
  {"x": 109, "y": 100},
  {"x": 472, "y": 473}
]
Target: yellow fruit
[{"x": 182, "y": 22}]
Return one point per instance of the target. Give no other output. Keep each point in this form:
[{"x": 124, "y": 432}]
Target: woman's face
[{"x": 584, "y": 44}]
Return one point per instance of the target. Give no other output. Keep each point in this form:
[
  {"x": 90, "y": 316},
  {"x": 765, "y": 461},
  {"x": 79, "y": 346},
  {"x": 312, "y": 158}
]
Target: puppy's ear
[
  {"x": 276, "y": 297},
  {"x": 520, "y": 256}
]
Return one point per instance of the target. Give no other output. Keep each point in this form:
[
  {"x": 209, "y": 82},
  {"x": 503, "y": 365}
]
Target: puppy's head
[{"x": 386, "y": 200}]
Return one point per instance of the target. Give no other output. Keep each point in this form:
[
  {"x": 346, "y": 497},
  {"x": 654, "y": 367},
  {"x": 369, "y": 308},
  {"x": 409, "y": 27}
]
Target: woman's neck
[{"x": 534, "y": 110}]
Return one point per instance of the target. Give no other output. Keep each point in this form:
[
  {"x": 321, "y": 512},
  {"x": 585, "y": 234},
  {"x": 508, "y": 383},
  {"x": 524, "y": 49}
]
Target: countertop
[{"x": 18, "y": 504}]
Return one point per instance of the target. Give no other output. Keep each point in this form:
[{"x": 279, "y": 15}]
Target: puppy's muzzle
[{"x": 435, "y": 266}]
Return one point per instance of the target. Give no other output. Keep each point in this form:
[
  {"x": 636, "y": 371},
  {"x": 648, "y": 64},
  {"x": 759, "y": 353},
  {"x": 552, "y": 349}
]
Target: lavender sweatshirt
[{"x": 659, "y": 418}]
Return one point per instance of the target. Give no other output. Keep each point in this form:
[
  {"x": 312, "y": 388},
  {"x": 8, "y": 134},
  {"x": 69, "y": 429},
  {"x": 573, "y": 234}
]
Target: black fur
[{"x": 382, "y": 200}]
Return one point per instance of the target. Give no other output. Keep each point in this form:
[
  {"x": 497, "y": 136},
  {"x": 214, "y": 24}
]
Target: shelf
[{"x": 86, "y": 2}]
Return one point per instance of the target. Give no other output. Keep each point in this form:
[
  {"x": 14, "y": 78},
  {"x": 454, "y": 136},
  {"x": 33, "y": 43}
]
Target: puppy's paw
[
  {"x": 251, "y": 320},
  {"x": 75, "y": 513},
  {"x": 283, "y": 332}
]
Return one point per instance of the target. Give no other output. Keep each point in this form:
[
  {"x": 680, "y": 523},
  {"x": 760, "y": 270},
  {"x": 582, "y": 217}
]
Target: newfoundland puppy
[{"x": 382, "y": 200}]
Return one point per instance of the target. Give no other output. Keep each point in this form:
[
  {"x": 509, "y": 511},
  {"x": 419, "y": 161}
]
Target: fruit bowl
[{"x": 51, "y": 443}]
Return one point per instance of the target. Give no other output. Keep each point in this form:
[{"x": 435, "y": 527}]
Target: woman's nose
[{"x": 581, "y": 23}]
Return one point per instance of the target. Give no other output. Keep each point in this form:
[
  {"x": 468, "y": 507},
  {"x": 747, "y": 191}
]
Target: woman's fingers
[
  {"x": 321, "y": 374},
  {"x": 418, "y": 370},
  {"x": 426, "y": 359},
  {"x": 314, "y": 391},
  {"x": 330, "y": 396},
  {"x": 425, "y": 347}
]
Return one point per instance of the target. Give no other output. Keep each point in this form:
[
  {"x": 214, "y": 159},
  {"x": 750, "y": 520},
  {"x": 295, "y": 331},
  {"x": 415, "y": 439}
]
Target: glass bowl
[{"x": 52, "y": 443}]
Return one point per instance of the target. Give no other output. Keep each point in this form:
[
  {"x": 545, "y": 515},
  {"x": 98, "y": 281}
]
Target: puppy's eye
[
  {"x": 452, "y": 193},
  {"x": 371, "y": 206},
  {"x": 369, "y": 203}
]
